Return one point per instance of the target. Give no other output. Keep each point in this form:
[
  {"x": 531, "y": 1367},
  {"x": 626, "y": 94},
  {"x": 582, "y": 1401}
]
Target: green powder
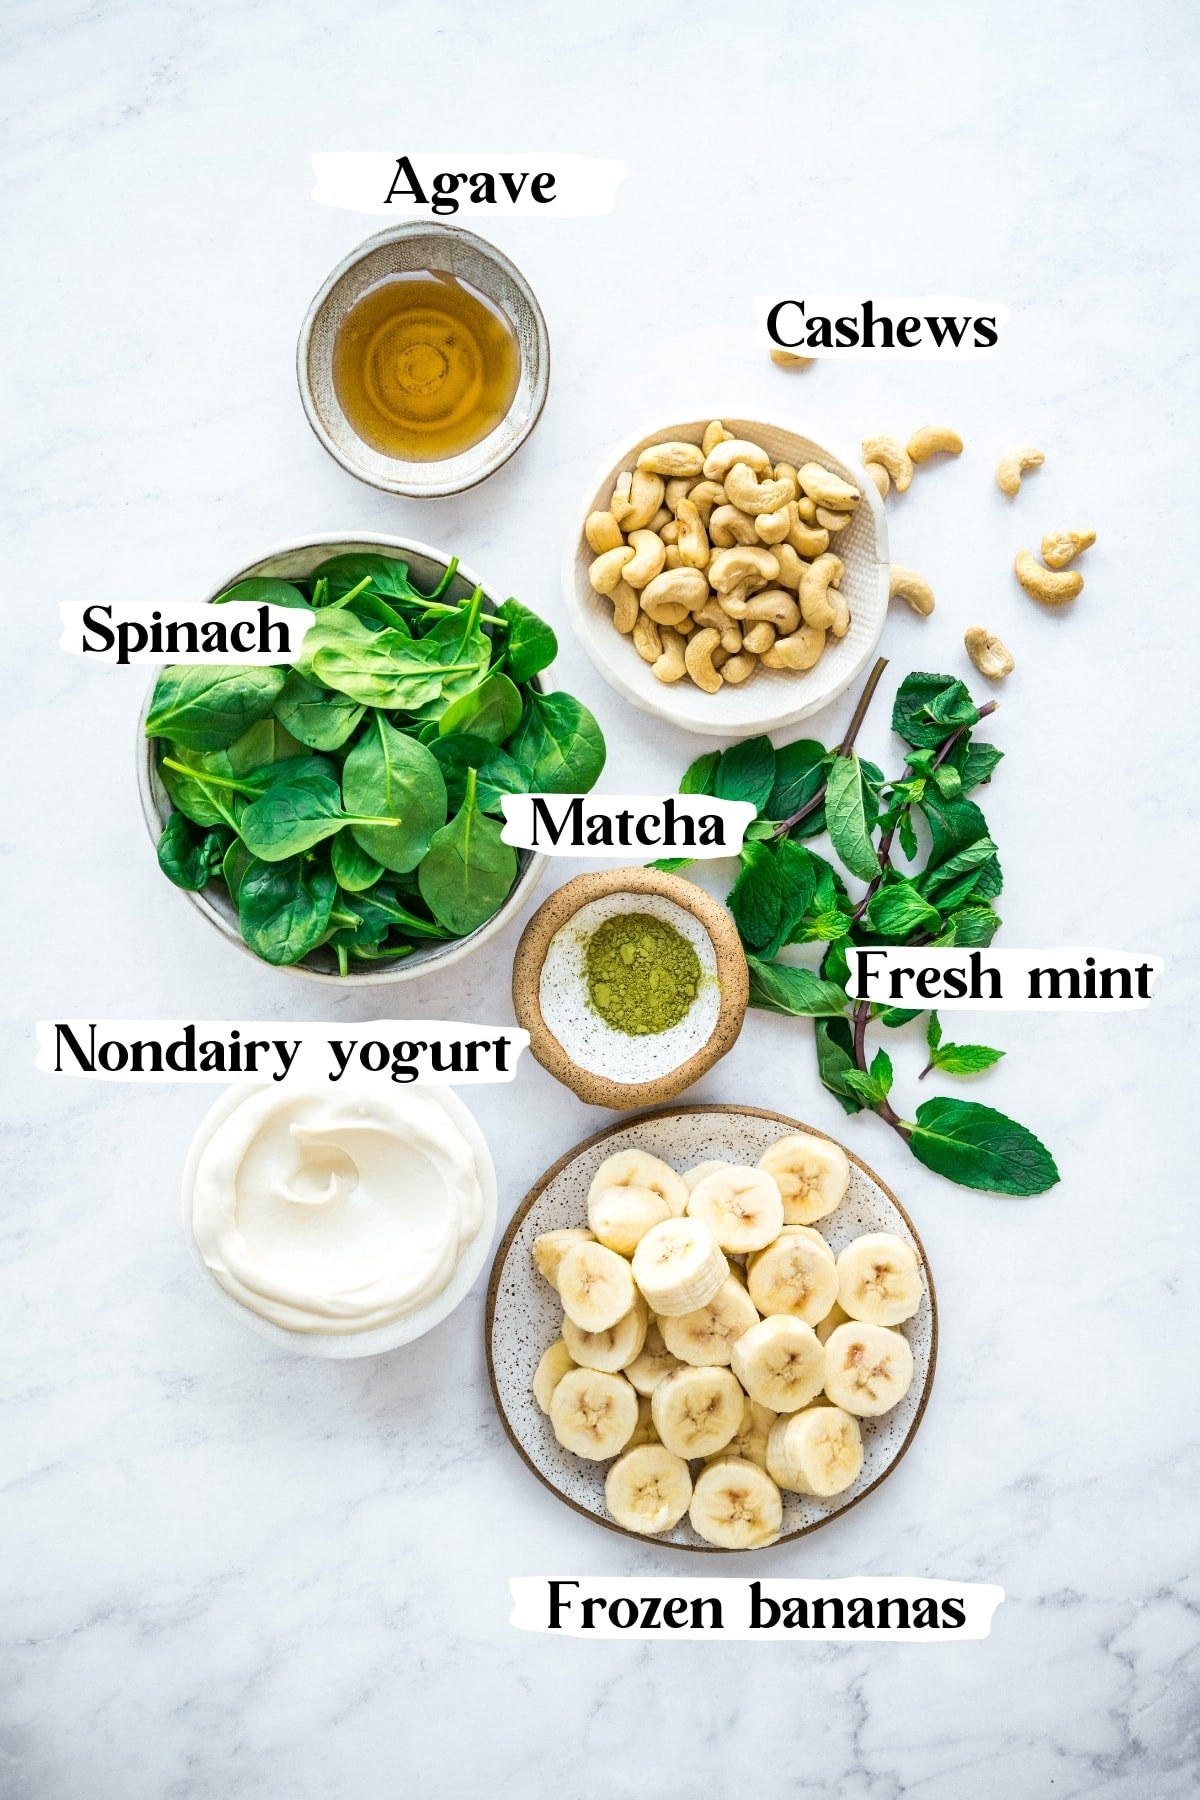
[{"x": 642, "y": 974}]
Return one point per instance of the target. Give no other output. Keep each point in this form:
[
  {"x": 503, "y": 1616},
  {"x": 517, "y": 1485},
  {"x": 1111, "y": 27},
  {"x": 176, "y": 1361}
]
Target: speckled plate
[{"x": 523, "y": 1313}]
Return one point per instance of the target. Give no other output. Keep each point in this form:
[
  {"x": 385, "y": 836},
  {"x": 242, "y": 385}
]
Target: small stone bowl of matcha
[{"x": 631, "y": 985}]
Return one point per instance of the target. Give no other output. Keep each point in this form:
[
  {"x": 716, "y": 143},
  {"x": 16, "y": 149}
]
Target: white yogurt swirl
[{"x": 336, "y": 1214}]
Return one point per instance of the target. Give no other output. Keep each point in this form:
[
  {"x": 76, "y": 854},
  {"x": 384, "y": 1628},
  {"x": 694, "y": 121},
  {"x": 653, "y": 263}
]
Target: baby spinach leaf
[
  {"x": 291, "y": 817},
  {"x": 390, "y": 776},
  {"x": 531, "y": 645},
  {"x": 468, "y": 871},
  {"x": 492, "y": 710},
  {"x": 355, "y": 870},
  {"x": 381, "y": 911},
  {"x": 465, "y": 650},
  {"x": 756, "y": 897},
  {"x": 284, "y": 908},
  {"x": 845, "y": 814},
  {"x": 266, "y": 742},
  {"x": 207, "y": 708},
  {"x": 376, "y": 668},
  {"x": 783, "y": 988},
  {"x": 201, "y": 783},
  {"x": 980, "y": 1148},
  {"x": 187, "y": 857},
  {"x": 558, "y": 744},
  {"x": 498, "y": 773},
  {"x": 897, "y": 910},
  {"x": 234, "y": 864},
  {"x": 263, "y": 590},
  {"x": 746, "y": 771},
  {"x": 387, "y": 575},
  {"x": 314, "y": 714}
]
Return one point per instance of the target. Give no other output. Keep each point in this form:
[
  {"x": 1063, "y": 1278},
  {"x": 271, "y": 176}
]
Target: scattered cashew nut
[
  {"x": 739, "y": 668},
  {"x": 776, "y": 608},
  {"x": 906, "y": 584},
  {"x": 759, "y": 638},
  {"x": 1061, "y": 547},
  {"x": 745, "y": 491},
  {"x": 880, "y": 477},
  {"x": 1010, "y": 468},
  {"x": 625, "y": 607},
  {"x": 891, "y": 456},
  {"x": 729, "y": 525},
  {"x": 773, "y": 527},
  {"x": 1051, "y": 586},
  {"x": 934, "y": 440},
  {"x": 787, "y": 359},
  {"x": 687, "y": 588},
  {"x": 991, "y": 657}
]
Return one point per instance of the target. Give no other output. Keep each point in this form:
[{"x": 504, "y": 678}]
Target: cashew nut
[
  {"x": 841, "y": 613},
  {"x": 671, "y": 665},
  {"x": 743, "y": 490},
  {"x": 729, "y": 525},
  {"x": 808, "y": 540},
  {"x": 714, "y": 434},
  {"x": 815, "y": 604},
  {"x": 609, "y": 567},
  {"x": 827, "y": 489},
  {"x": 664, "y": 516},
  {"x": 731, "y": 639},
  {"x": 743, "y": 562},
  {"x": 880, "y": 477},
  {"x": 705, "y": 496},
  {"x": 647, "y": 639},
  {"x": 790, "y": 566},
  {"x": 906, "y": 584},
  {"x": 775, "y": 608},
  {"x": 670, "y": 532},
  {"x": 650, "y": 553},
  {"x": 787, "y": 359},
  {"x": 773, "y": 527},
  {"x": 1061, "y": 547},
  {"x": 674, "y": 559},
  {"x": 714, "y": 614},
  {"x": 832, "y": 521},
  {"x": 618, "y": 506},
  {"x": 602, "y": 532},
  {"x": 625, "y": 607},
  {"x": 719, "y": 657},
  {"x": 678, "y": 488},
  {"x": 934, "y": 440},
  {"x": 892, "y": 456},
  {"x": 692, "y": 537},
  {"x": 697, "y": 658},
  {"x": 806, "y": 508},
  {"x": 674, "y": 458},
  {"x": 739, "y": 668},
  {"x": 645, "y": 498},
  {"x": 720, "y": 460},
  {"x": 687, "y": 588},
  {"x": 1010, "y": 468},
  {"x": 799, "y": 651},
  {"x": 786, "y": 471},
  {"x": 760, "y": 637},
  {"x": 737, "y": 599},
  {"x": 990, "y": 656},
  {"x": 1050, "y": 586}
]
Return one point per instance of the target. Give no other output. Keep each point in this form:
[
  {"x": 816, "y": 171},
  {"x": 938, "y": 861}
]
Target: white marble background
[{"x": 230, "y": 1574}]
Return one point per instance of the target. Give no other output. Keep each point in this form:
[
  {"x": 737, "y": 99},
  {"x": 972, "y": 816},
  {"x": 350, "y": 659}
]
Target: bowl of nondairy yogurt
[{"x": 339, "y": 1224}]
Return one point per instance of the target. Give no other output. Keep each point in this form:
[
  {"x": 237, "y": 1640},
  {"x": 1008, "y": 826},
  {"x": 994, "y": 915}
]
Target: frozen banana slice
[
  {"x": 879, "y": 1279},
  {"x": 817, "y": 1451},
  {"x": 613, "y": 1349},
  {"x": 678, "y": 1266},
  {"x": 595, "y": 1286},
  {"x": 749, "y": 1441},
  {"x": 655, "y": 1361},
  {"x": 706, "y": 1337},
  {"x": 736, "y": 1505},
  {"x": 620, "y": 1217},
  {"x": 648, "y": 1489},
  {"x": 868, "y": 1368},
  {"x": 593, "y": 1414},
  {"x": 796, "y": 1274},
  {"x": 780, "y": 1363},
  {"x": 638, "y": 1168},
  {"x": 696, "y": 1411},
  {"x": 812, "y": 1173},
  {"x": 555, "y": 1363},
  {"x": 550, "y": 1248},
  {"x": 742, "y": 1207}
]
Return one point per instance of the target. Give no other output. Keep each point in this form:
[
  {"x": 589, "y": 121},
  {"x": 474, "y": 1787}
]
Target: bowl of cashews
[{"x": 729, "y": 574}]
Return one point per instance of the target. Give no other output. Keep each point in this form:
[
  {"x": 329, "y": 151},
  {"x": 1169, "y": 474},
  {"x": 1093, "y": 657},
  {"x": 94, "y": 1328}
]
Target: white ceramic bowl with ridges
[{"x": 772, "y": 698}]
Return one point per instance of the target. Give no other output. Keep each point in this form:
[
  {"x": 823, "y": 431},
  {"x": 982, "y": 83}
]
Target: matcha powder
[{"x": 642, "y": 975}]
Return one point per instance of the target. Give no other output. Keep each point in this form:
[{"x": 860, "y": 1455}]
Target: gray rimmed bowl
[
  {"x": 404, "y": 250},
  {"x": 427, "y": 566}
]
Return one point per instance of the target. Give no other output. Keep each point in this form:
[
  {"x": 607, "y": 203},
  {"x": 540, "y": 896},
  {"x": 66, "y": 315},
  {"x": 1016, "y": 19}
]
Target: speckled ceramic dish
[
  {"x": 524, "y": 1315},
  {"x": 411, "y": 249},
  {"x": 568, "y": 1037}
]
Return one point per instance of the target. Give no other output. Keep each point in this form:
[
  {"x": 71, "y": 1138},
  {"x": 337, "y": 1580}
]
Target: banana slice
[
  {"x": 648, "y": 1489},
  {"x": 610, "y": 1350},
  {"x": 554, "y": 1365},
  {"x": 620, "y": 1217},
  {"x": 868, "y": 1369},
  {"x": 655, "y": 1361},
  {"x": 797, "y": 1274},
  {"x": 550, "y": 1248},
  {"x": 706, "y": 1337},
  {"x": 879, "y": 1279},
  {"x": 690, "y": 1177},
  {"x": 595, "y": 1286},
  {"x": 749, "y": 1441},
  {"x": 593, "y": 1414},
  {"x": 736, "y": 1505},
  {"x": 637, "y": 1168},
  {"x": 813, "y": 1175},
  {"x": 696, "y": 1411},
  {"x": 780, "y": 1363},
  {"x": 743, "y": 1208},
  {"x": 833, "y": 1318},
  {"x": 818, "y": 1451},
  {"x": 678, "y": 1266},
  {"x": 643, "y": 1431}
]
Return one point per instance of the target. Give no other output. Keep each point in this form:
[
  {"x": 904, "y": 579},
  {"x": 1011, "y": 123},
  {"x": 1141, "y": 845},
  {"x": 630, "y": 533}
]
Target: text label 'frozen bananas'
[
  {"x": 133, "y": 632},
  {"x": 480, "y": 182},
  {"x": 599, "y": 824},
  {"x": 887, "y": 1609},
  {"x": 437, "y": 1052},
  {"x": 1063, "y": 980}
]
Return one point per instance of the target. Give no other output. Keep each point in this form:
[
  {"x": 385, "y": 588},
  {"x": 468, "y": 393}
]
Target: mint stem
[{"x": 843, "y": 749}]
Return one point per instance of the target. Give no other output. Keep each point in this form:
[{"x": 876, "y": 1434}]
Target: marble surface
[{"x": 234, "y": 1574}]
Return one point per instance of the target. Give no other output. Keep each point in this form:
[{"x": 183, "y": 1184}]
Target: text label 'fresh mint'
[
  {"x": 177, "y": 631},
  {"x": 597, "y": 825},
  {"x": 437, "y": 1052},
  {"x": 1062, "y": 980}
]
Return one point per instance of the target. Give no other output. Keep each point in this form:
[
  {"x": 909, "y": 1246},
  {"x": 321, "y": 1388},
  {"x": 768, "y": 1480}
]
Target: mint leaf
[
  {"x": 669, "y": 864},
  {"x": 898, "y": 909},
  {"x": 929, "y": 707},
  {"x": 933, "y": 1031},
  {"x": 698, "y": 776},
  {"x": 975, "y": 926},
  {"x": 965, "y": 1059},
  {"x": 776, "y": 987},
  {"x": 881, "y": 1072},
  {"x": 954, "y": 825},
  {"x": 863, "y": 1086},
  {"x": 835, "y": 1061},
  {"x": 756, "y": 898},
  {"x": 799, "y": 772},
  {"x": 746, "y": 772},
  {"x": 976, "y": 763},
  {"x": 980, "y": 1148},
  {"x": 895, "y": 1016},
  {"x": 845, "y": 816}
]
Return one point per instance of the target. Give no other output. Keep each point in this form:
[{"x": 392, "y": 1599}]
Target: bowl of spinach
[{"x": 342, "y": 817}]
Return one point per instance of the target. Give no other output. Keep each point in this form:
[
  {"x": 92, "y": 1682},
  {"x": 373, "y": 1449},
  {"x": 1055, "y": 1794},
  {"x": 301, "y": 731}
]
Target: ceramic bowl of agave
[{"x": 297, "y": 560}]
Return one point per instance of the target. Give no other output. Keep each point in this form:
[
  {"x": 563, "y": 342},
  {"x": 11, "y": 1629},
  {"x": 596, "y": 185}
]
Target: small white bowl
[
  {"x": 772, "y": 698},
  {"x": 342, "y": 1345}
]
